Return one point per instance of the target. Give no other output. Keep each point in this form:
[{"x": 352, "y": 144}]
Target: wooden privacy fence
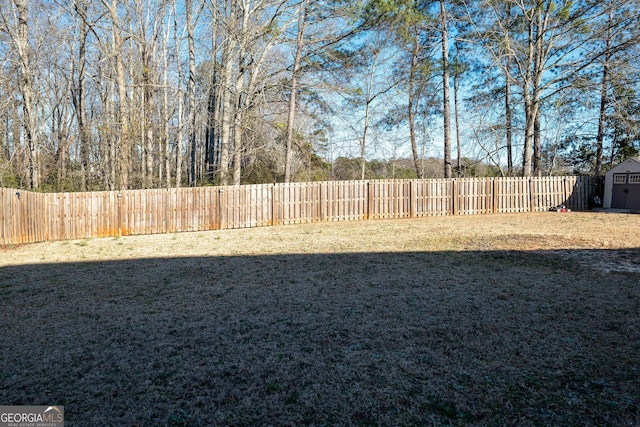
[{"x": 27, "y": 216}]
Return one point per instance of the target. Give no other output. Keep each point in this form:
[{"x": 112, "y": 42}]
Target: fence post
[
  {"x": 369, "y": 200},
  {"x": 278, "y": 204},
  {"x": 454, "y": 196},
  {"x": 18, "y": 220},
  {"x": 531, "y": 197},
  {"x": 413, "y": 198},
  {"x": 222, "y": 209},
  {"x": 44, "y": 211},
  {"x": 119, "y": 214},
  {"x": 19, "y": 217},
  {"x": 272, "y": 207},
  {"x": 323, "y": 196},
  {"x": 494, "y": 195},
  {"x": 3, "y": 234}
]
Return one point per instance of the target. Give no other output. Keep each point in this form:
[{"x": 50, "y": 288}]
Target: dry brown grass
[{"x": 528, "y": 319}]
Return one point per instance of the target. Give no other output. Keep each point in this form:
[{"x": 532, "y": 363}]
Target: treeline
[
  {"x": 350, "y": 168},
  {"x": 115, "y": 94}
]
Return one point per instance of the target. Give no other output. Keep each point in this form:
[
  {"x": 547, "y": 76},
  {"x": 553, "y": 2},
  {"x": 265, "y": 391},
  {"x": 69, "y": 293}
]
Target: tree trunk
[
  {"x": 212, "y": 137},
  {"x": 212, "y": 134},
  {"x": 602, "y": 117},
  {"x": 179, "y": 138},
  {"x": 112, "y": 137},
  {"x": 411, "y": 102},
  {"x": 302, "y": 13},
  {"x": 191, "y": 90},
  {"x": 367, "y": 113},
  {"x": 237, "y": 128},
  {"x": 122, "y": 113},
  {"x": 528, "y": 134},
  {"x": 180, "y": 96},
  {"x": 363, "y": 142},
  {"x": 166, "y": 145},
  {"x": 537, "y": 145},
  {"x": 604, "y": 101},
  {"x": 446, "y": 114},
  {"x": 84, "y": 134},
  {"x": 227, "y": 111},
  {"x": 507, "y": 102},
  {"x": 17, "y": 125},
  {"x": 538, "y": 70},
  {"x": 26, "y": 88},
  {"x": 147, "y": 119},
  {"x": 529, "y": 110},
  {"x": 456, "y": 82},
  {"x": 508, "y": 121}
]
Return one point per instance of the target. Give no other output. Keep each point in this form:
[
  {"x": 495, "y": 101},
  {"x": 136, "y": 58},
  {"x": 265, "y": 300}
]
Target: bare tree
[
  {"x": 302, "y": 13},
  {"x": 79, "y": 91},
  {"x": 411, "y": 100},
  {"x": 123, "y": 147},
  {"x": 180, "y": 99},
  {"x": 446, "y": 103},
  {"x": 191, "y": 91},
  {"x": 19, "y": 35},
  {"x": 507, "y": 98},
  {"x": 541, "y": 47},
  {"x": 166, "y": 117}
]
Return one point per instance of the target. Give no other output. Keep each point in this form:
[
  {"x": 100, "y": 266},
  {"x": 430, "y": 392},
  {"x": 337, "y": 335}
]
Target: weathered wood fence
[{"x": 27, "y": 217}]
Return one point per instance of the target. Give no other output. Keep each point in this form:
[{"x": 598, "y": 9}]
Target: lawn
[{"x": 518, "y": 319}]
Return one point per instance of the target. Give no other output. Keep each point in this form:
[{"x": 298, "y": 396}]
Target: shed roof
[{"x": 632, "y": 163}]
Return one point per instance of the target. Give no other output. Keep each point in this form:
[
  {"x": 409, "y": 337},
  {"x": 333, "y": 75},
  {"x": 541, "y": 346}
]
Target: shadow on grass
[{"x": 446, "y": 338}]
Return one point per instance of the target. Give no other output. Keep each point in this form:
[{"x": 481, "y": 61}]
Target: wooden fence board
[
  {"x": 474, "y": 196},
  {"x": 433, "y": 197},
  {"x": 390, "y": 199},
  {"x": 298, "y": 202},
  {"x": 5, "y": 217},
  {"x": 513, "y": 195},
  {"x": 8, "y": 216},
  {"x": 345, "y": 200},
  {"x": 245, "y": 206},
  {"x": 32, "y": 217}
]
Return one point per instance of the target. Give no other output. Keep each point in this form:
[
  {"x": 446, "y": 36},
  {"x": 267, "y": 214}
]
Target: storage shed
[{"x": 622, "y": 185}]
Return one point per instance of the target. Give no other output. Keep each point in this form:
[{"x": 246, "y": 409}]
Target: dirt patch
[{"x": 489, "y": 320}]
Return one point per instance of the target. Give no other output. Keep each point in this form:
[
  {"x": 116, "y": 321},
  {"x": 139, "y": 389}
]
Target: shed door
[
  {"x": 626, "y": 191},
  {"x": 633, "y": 196}
]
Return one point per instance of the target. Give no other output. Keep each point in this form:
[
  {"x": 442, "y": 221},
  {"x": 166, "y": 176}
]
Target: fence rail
[{"x": 27, "y": 217}]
